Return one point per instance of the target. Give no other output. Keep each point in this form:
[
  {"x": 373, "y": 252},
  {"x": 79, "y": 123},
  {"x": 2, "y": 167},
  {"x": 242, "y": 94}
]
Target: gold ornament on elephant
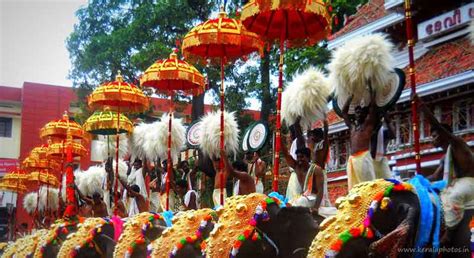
[
  {"x": 233, "y": 220},
  {"x": 351, "y": 211},
  {"x": 84, "y": 235},
  {"x": 184, "y": 226}
]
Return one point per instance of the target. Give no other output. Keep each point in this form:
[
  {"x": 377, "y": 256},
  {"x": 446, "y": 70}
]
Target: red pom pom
[
  {"x": 247, "y": 233},
  {"x": 330, "y": 8},
  {"x": 355, "y": 232},
  {"x": 337, "y": 245},
  {"x": 336, "y": 20},
  {"x": 237, "y": 244},
  {"x": 379, "y": 196},
  {"x": 370, "y": 233},
  {"x": 398, "y": 187},
  {"x": 189, "y": 239},
  {"x": 179, "y": 245}
]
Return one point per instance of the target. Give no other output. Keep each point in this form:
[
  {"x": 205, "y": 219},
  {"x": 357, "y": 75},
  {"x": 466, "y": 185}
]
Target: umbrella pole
[
  {"x": 117, "y": 143},
  {"x": 169, "y": 164},
  {"x": 221, "y": 161},
  {"x": 411, "y": 72},
  {"x": 276, "y": 163},
  {"x": 70, "y": 192}
]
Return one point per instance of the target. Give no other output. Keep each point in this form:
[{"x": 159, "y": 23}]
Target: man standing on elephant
[
  {"x": 457, "y": 169},
  {"x": 256, "y": 168},
  {"x": 306, "y": 183},
  {"x": 360, "y": 167}
]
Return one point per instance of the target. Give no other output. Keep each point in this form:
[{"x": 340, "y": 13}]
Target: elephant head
[
  {"x": 376, "y": 219},
  {"x": 245, "y": 229},
  {"x": 193, "y": 227},
  {"x": 93, "y": 238},
  {"x": 138, "y": 232}
]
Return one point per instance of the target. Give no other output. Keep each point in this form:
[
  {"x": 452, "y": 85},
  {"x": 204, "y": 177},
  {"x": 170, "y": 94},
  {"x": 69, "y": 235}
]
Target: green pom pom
[
  {"x": 183, "y": 241},
  {"x": 269, "y": 200},
  {"x": 388, "y": 191},
  {"x": 55, "y": 242},
  {"x": 345, "y": 236},
  {"x": 134, "y": 245},
  {"x": 241, "y": 238}
]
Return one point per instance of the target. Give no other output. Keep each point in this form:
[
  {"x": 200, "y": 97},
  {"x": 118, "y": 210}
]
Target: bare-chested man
[
  {"x": 256, "y": 168},
  {"x": 318, "y": 143},
  {"x": 138, "y": 203},
  {"x": 306, "y": 183},
  {"x": 99, "y": 208},
  {"x": 457, "y": 167},
  {"x": 245, "y": 183},
  {"x": 360, "y": 166}
]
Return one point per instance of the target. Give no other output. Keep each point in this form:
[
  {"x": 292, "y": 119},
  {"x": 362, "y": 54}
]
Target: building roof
[
  {"x": 10, "y": 94},
  {"x": 369, "y": 12},
  {"x": 443, "y": 61}
]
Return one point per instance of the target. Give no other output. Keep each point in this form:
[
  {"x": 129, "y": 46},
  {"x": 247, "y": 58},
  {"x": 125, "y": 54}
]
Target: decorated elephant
[
  {"x": 138, "y": 232},
  {"x": 49, "y": 244},
  {"x": 23, "y": 247},
  {"x": 94, "y": 238},
  {"x": 184, "y": 238},
  {"x": 386, "y": 218},
  {"x": 256, "y": 225}
]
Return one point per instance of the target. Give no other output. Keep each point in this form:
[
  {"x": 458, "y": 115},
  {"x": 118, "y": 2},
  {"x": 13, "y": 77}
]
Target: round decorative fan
[
  {"x": 257, "y": 136},
  {"x": 193, "y": 135}
]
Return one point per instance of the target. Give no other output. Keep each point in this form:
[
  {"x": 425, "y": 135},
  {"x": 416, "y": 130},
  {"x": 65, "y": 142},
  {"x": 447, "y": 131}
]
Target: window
[
  {"x": 5, "y": 127},
  {"x": 405, "y": 130},
  {"x": 461, "y": 115}
]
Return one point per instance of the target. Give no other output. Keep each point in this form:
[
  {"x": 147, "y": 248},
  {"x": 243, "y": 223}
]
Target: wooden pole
[{"x": 411, "y": 72}]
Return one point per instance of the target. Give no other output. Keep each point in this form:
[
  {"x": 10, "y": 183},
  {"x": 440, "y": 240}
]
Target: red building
[{"x": 444, "y": 77}]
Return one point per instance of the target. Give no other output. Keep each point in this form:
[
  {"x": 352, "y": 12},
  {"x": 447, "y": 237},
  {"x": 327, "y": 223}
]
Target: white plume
[
  {"x": 356, "y": 62},
  {"x": 471, "y": 31},
  {"x": 306, "y": 96},
  {"x": 78, "y": 179},
  {"x": 210, "y": 130},
  {"x": 30, "y": 201},
  {"x": 156, "y": 139},
  {"x": 94, "y": 178},
  {"x": 124, "y": 146},
  {"x": 138, "y": 141},
  {"x": 49, "y": 198}
]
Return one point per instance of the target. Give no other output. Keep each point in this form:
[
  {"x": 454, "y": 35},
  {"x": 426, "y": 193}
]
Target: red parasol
[
  {"x": 168, "y": 76},
  {"x": 298, "y": 22},
  {"x": 118, "y": 96},
  {"x": 222, "y": 39}
]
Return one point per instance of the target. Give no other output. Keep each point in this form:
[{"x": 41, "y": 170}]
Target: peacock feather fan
[
  {"x": 306, "y": 96},
  {"x": 210, "y": 134}
]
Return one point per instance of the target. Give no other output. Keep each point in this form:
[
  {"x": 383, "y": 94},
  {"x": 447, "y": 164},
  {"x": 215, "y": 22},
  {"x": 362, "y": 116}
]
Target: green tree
[{"x": 128, "y": 36}]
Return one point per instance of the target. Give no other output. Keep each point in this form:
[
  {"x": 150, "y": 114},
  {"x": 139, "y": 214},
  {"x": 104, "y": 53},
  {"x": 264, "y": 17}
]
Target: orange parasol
[
  {"x": 170, "y": 75},
  {"x": 298, "y": 22},
  {"x": 222, "y": 39},
  {"x": 58, "y": 130}
]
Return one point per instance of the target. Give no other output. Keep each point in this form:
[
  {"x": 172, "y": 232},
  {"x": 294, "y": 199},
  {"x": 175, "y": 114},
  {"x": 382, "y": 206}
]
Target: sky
[{"x": 32, "y": 41}]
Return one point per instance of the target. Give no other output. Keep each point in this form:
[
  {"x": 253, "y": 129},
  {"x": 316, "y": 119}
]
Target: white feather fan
[
  {"x": 471, "y": 32},
  {"x": 94, "y": 178},
  {"x": 306, "y": 96},
  {"x": 30, "y": 201},
  {"x": 49, "y": 198},
  {"x": 210, "y": 130},
  {"x": 356, "y": 62},
  {"x": 138, "y": 140},
  {"x": 124, "y": 146}
]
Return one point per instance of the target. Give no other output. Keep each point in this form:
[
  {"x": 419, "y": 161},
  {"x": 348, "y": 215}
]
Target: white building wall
[{"x": 10, "y": 146}]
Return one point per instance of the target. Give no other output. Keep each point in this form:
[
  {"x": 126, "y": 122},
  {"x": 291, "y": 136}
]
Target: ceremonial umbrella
[
  {"x": 221, "y": 39},
  {"x": 297, "y": 22},
  {"x": 14, "y": 181},
  {"x": 61, "y": 136},
  {"x": 118, "y": 96},
  {"x": 169, "y": 76}
]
